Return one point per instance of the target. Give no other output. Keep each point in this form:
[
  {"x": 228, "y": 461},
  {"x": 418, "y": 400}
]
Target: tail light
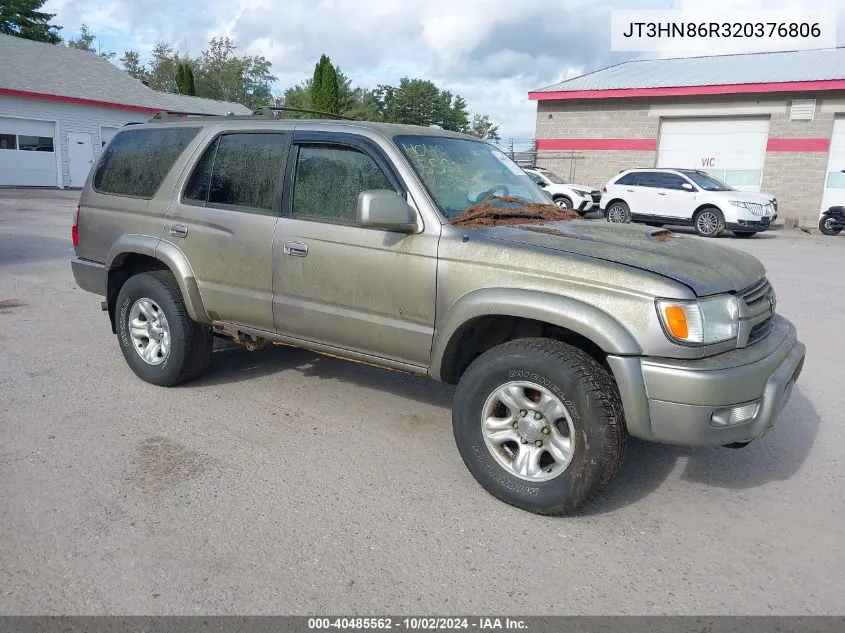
[{"x": 74, "y": 231}]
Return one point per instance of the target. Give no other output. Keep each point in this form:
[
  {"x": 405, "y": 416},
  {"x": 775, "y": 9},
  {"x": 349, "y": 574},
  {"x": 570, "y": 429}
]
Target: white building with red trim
[
  {"x": 771, "y": 122},
  {"x": 59, "y": 106}
]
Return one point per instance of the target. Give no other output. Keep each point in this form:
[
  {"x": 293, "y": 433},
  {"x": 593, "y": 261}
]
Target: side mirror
[
  {"x": 384, "y": 209},
  {"x": 688, "y": 187}
]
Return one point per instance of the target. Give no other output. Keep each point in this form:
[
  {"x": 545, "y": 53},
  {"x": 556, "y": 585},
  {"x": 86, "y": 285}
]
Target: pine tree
[
  {"x": 185, "y": 79},
  {"x": 325, "y": 91},
  {"x": 22, "y": 18}
]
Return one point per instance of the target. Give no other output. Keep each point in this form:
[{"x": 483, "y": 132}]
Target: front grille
[
  {"x": 596, "y": 196},
  {"x": 759, "y": 209},
  {"x": 760, "y": 331},
  {"x": 759, "y": 311}
]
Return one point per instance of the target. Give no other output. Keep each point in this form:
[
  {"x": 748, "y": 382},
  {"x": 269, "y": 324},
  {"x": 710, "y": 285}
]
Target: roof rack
[
  {"x": 269, "y": 110},
  {"x": 262, "y": 112}
]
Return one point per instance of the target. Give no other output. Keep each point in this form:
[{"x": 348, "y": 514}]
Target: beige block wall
[
  {"x": 595, "y": 118},
  {"x": 797, "y": 180}
]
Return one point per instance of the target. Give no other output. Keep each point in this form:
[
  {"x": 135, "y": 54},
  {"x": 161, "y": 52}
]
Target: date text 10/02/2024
[{"x": 417, "y": 624}]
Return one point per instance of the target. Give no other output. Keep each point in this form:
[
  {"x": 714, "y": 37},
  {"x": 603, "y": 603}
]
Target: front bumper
[
  {"x": 90, "y": 276},
  {"x": 672, "y": 401},
  {"x": 763, "y": 224},
  {"x": 583, "y": 205}
]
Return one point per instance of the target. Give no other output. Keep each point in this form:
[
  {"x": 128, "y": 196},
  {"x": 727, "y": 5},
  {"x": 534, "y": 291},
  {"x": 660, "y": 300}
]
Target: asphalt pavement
[{"x": 283, "y": 482}]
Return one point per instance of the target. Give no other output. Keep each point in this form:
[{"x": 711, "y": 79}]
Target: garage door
[
  {"x": 733, "y": 149},
  {"x": 834, "y": 184},
  {"x": 27, "y": 153}
]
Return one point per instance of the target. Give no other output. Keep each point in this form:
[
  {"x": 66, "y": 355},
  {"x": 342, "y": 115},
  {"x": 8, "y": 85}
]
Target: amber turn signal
[{"x": 676, "y": 319}]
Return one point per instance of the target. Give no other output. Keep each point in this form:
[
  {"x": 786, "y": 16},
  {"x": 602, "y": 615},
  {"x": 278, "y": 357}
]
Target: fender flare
[
  {"x": 169, "y": 255},
  {"x": 576, "y": 316}
]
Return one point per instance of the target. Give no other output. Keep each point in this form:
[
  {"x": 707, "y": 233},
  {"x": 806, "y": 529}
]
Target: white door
[
  {"x": 673, "y": 201},
  {"x": 732, "y": 149},
  {"x": 27, "y": 153},
  {"x": 642, "y": 196},
  {"x": 79, "y": 157},
  {"x": 834, "y": 183}
]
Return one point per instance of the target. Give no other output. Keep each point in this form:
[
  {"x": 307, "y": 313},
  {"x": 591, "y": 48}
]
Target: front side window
[
  {"x": 328, "y": 180},
  {"x": 670, "y": 181},
  {"x": 137, "y": 161},
  {"x": 460, "y": 173},
  {"x": 536, "y": 178}
]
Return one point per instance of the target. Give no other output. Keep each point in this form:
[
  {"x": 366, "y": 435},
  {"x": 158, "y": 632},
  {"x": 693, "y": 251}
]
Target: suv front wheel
[
  {"x": 709, "y": 222},
  {"x": 539, "y": 424},
  {"x": 159, "y": 341}
]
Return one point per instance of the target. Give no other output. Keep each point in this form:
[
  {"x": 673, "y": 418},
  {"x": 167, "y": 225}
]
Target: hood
[
  {"x": 747, "y": 196},
  {"x": 705, "y": 267}
]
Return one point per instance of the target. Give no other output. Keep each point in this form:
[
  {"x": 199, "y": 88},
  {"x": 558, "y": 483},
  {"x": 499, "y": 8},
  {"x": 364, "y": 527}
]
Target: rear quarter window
[
  {"x": 136, "y": 162},
  {"x": 628, "y": 179}
]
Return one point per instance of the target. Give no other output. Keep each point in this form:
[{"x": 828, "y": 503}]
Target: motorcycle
[{"x": 832, "y": 221}]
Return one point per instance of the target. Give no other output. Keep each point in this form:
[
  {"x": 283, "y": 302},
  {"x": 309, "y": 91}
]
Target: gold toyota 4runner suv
[{"x": 430, "y": 252}]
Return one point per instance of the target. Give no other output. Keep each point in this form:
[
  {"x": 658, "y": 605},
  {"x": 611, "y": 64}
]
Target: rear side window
[
  {"x": 137, "y": 161},
  {"x": 650, "y": 179},
  {"x": 628, "y": 179},
  {"x": 239, "y": 170}
]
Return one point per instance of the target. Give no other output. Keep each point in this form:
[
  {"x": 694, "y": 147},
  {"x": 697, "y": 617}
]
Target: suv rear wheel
[
  {"x": 159, "y": 341},
  {"x": 618, "y": 212},
  {"x": 539, "y": 424}
]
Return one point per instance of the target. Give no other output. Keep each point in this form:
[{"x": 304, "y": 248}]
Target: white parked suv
[
  {"x": 568, "y": 196},
  {"x": 686, "y": 197}
]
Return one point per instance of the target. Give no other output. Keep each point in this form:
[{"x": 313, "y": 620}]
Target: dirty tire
[
  {"x": 618, "y": 212},
  {"x": 709, "y": 222},
  {"x": 191, "y": 343},
  {"x": 744, "y": 234},
  {"x": 590, "y": 396}
]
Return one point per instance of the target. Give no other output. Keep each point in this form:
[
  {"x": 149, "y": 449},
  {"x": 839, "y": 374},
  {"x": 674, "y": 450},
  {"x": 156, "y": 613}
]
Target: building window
[
  {"x": 8, "y": 141},
  {"x": 36, "y": 143},
  {"x": 836, "y": 180}
]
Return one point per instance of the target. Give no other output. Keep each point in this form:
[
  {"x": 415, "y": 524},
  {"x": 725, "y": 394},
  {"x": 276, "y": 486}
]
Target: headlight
[
  {"x": 581, "y": 192},
  {"x": 701, "y": 322},
  {"x": 739, "y": 203}
]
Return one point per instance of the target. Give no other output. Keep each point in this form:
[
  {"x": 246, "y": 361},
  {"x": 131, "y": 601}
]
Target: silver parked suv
[{"x": 406, "y": 248}]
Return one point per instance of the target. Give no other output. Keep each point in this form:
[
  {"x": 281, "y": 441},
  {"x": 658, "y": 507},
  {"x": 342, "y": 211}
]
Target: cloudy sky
[{"x": 490, "y": 51}]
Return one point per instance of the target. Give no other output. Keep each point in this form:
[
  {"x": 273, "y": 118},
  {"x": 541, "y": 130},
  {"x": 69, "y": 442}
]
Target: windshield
[
  {"x": 707, "y": 182},
  {"x": 459, "y": 173},
  {"x": 552, "y": 177}
]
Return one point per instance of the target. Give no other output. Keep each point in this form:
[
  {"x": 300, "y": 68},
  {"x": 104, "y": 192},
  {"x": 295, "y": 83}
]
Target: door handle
[
  {"x": 661, "y": 193},
  {"x": 178, "y": 230},
  {"x": 297, "y": 249},
  {"x": 630, "y": 190}
]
